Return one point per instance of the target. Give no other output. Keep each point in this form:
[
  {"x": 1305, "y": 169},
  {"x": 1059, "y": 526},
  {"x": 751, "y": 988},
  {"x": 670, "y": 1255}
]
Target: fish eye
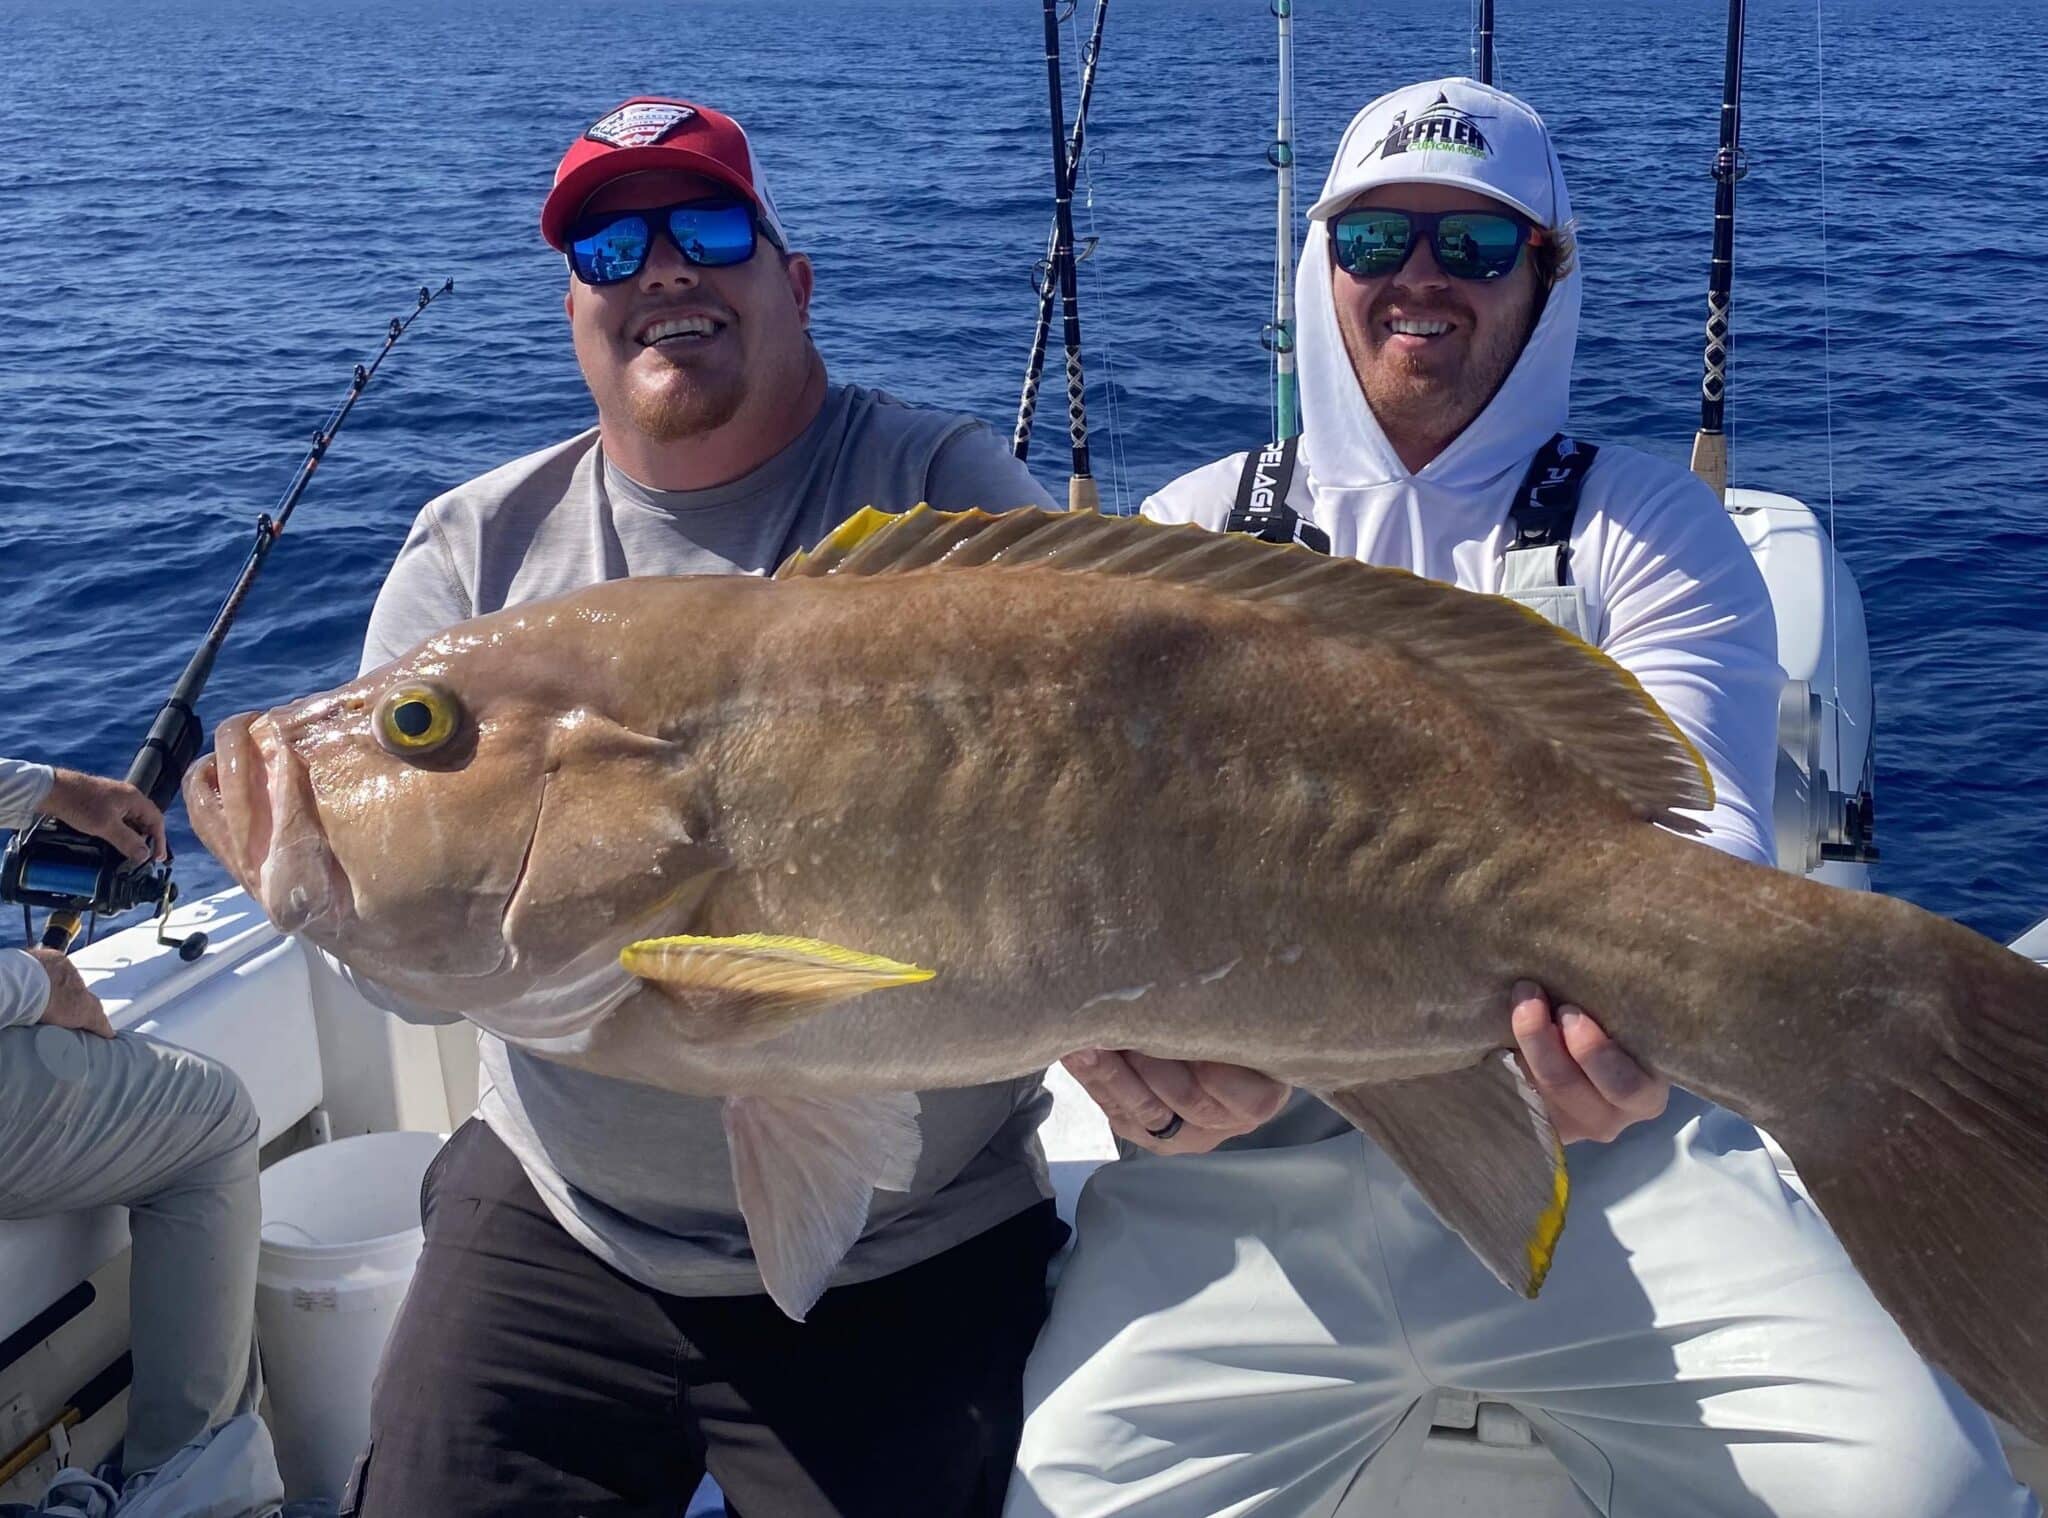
[{"x": 415, "y": 720}]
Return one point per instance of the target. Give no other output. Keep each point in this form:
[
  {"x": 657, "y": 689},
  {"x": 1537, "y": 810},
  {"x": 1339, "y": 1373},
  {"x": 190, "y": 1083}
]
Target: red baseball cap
[{"x": 649, "y": 132}]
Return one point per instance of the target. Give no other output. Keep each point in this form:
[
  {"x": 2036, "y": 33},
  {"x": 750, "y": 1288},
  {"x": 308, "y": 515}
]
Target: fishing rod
[
  {"x": 1710, "y": 443},
  {"x": 1042, "y": 276},
  {"x": 1278, "y": 338},
  {"x": 1486, "y": 41},
  {"x": 79, "y": 878},
  {"x": 1081, "y": 492}
]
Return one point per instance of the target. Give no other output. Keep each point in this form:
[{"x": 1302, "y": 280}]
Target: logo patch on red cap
[{"x": 639, "y": 125}]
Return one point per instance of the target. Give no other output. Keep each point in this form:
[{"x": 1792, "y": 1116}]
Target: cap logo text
[
  {"x": 1441, "y": 128},
  {"x": 639, "y": 125}
]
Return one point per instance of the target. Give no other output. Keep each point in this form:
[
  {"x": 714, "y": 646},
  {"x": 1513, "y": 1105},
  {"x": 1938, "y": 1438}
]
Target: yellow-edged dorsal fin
[
  {"x": 1526, "y": 669},
  {"x": 841, "y": 541},
  {"x": 757, "y": 984}
]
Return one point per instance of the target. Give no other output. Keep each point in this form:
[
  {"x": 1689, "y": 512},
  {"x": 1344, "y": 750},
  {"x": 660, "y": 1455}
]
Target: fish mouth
[
  {"x": 203, "y": 808},
  {"x": 227, "y": 804},
  {"x": 251, "y": 803}
]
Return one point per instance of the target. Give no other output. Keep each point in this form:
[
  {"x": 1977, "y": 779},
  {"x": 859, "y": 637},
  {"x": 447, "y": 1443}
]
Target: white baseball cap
[{"x": 1450, "y": 132}]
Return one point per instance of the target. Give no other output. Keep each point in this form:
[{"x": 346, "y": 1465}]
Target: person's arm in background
[
  {"x": 111, "y": 810},
  {"x": 42, "y": 985},
  {"x": 22, "y": 789}
]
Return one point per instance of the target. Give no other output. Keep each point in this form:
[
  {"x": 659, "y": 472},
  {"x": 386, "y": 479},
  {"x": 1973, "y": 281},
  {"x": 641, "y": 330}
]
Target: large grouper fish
[{"x": 954, "y": 794}]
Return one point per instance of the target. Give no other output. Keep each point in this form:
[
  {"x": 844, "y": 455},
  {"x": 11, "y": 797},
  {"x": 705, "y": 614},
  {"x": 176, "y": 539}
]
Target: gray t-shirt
[{"x": 640, "y": 1176}]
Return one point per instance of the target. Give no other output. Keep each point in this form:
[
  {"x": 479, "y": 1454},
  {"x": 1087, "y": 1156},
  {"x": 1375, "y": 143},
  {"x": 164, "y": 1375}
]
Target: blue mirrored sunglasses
[
  {"x": 1374, "y": 241},
  {"x": 614, "y": 245}
]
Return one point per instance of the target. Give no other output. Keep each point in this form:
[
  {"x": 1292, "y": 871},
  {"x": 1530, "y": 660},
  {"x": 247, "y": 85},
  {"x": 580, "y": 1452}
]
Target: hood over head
[{"x": 1460, "y": 133}]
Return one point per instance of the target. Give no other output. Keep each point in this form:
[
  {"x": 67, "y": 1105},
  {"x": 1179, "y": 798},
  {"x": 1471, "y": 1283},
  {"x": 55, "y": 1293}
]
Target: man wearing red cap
[{"x": 587, "y": 1331}]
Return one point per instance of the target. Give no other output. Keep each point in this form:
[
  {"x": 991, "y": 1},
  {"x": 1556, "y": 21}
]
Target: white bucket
[{"x": 341, "y": 1234}]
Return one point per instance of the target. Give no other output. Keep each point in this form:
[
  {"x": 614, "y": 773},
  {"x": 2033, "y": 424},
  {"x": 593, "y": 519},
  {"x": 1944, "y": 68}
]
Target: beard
[
  {"x": 1420, "y": 396},
  {"x": 683, "y": 405}
]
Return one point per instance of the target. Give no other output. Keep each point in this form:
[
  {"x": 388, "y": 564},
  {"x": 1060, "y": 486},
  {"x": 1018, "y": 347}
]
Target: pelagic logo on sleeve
[
  {"x": 639, "y": 125},
  {"x": 1441, "y": 128}
]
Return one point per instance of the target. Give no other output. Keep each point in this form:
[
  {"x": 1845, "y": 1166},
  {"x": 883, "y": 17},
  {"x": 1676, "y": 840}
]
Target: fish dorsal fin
[{"x": 1584, "y": 704}]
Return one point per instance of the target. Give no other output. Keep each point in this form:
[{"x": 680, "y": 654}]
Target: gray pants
[
  {"x": 1267, "y": 1330},
  {"x": 172, "y": 1137}
]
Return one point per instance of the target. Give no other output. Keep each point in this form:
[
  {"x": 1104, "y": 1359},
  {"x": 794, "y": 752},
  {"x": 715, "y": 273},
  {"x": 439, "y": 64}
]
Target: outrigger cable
[
  {"x": 1043, "y": 276},
  {"x": 78, "y": 876},
  {"x": 1710, "y": 444},
  {"x": 1278, "y": 338}
]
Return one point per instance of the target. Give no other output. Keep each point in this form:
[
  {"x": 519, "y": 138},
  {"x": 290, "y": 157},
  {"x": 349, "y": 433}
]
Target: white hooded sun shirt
[{"x": 1671, "y": 591}]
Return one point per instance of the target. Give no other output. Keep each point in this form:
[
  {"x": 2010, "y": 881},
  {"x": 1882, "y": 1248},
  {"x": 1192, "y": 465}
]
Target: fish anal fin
[
  {"x": 755, "y": 985},
  {"x": 806, "y": 1169},
  {"x": 1526, "y": 670},
  {"x": 1479, "y": 1146}
]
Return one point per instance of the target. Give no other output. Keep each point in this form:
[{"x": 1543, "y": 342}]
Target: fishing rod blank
[
  {"x": 1081, "y": 493},
  {"x": 1278, "y": 337},
  {"x": 1043, "y": 277},
  {"x": 1486, "y": 41},
  {"x": 77, "y": 876},
  {"x": 1710, "y": 443}
]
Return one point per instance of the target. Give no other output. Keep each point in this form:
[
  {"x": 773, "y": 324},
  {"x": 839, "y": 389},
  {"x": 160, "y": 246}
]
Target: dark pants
[{"x": 526, "y": 1377}]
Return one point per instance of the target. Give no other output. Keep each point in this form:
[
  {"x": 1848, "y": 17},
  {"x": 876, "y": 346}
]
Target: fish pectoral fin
[
  {"x": 805, "y": 1168},
  {"x": 1479, "y": 1146},
  {"x": 736, "y": 990}
]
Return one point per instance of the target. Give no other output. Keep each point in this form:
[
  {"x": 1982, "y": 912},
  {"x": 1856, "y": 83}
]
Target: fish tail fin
[{"x": 1930, "y": 1161}]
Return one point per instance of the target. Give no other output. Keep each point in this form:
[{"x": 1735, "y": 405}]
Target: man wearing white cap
[{"x": 1261, "y": 1311}]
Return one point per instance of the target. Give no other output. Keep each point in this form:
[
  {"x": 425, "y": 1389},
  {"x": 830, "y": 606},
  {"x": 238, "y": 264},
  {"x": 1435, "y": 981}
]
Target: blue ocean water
[{"x": 212, "y": 209}]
